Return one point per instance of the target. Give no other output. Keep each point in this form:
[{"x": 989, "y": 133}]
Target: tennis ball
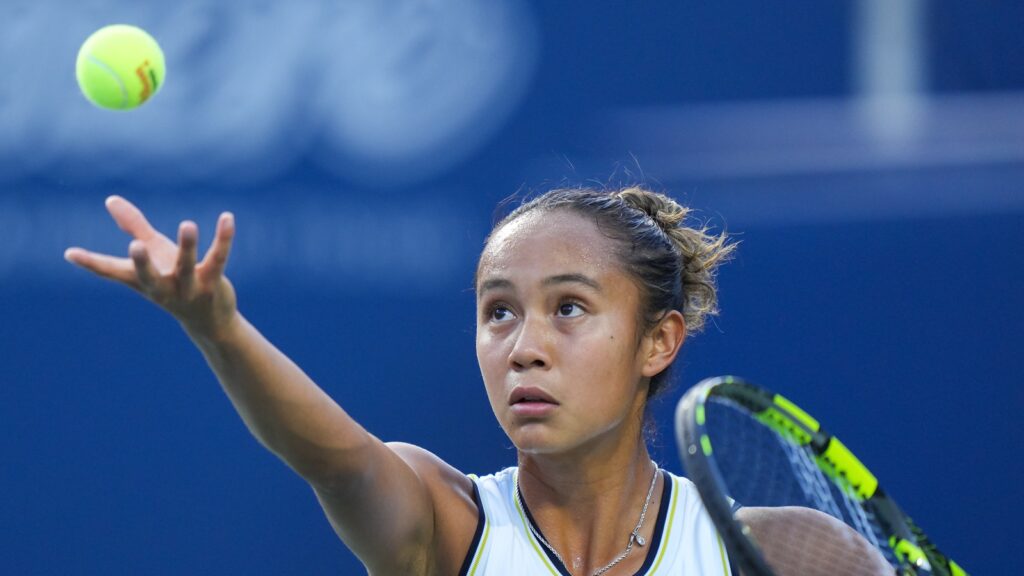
[{"x": 120, "y": 67}]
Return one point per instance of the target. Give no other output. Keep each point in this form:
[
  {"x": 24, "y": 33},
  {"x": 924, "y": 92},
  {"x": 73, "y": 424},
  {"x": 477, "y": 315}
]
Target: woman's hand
[{"x": 198, "y": 295}]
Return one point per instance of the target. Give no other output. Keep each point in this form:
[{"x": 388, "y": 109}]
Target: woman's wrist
[{"x": 216, "y": 334}]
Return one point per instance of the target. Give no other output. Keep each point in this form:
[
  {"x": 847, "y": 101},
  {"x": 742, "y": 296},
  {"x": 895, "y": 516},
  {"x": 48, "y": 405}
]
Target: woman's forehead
[{"x": 545, "y": 243}]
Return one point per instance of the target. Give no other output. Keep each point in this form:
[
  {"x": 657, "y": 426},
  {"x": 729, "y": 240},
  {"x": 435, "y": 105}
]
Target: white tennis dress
[{"x": 684, "y": 542}]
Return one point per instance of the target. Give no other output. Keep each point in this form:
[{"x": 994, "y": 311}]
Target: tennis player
[{"x": 584, "y": 298}]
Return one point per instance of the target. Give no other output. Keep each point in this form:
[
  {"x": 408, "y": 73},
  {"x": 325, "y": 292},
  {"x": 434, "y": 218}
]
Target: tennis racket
[{"x": 739, "y": 441}]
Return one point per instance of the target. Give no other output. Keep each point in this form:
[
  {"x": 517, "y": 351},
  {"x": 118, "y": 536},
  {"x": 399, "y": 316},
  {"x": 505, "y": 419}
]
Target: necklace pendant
[{"x": 640, "y": 540}]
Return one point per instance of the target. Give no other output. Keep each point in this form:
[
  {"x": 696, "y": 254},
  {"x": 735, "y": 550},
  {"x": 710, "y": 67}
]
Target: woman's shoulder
[
  {"x": 681, "y": 486},
  {"x": 455, "y": 505},
  {"x": 434, "y": 472},
  {"x": 506, "y": 476},
  {"x": 496, "y": 493}
]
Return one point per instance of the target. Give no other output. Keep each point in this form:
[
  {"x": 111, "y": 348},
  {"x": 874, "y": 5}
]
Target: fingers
[
  {"x": 188, "y": 240},
  {"x": 140, "y": 270},
  {"x": 217, "y": 256},
  {"x": 109, "y": 267},
  {"x": 129, "y": 218},
  {"x": 144, "y": 269}
]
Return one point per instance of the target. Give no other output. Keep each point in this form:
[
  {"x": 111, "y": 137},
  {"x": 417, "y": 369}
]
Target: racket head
[{"x": 737, "y": 440}]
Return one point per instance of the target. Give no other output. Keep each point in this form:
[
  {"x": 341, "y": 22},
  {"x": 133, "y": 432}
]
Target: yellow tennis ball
[{"x": 120, "y": 67}]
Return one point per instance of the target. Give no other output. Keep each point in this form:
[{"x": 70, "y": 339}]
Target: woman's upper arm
[
  {"x": 807, "y": 542},
  {"x": 406, "y": 513}
]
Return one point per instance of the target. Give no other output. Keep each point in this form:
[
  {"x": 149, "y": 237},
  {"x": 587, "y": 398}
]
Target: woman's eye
[
  {"x": 500, "y": 314},
  {"x": 569, "y": 310}
]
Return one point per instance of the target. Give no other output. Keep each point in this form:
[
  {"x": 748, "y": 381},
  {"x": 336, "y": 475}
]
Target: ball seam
[{"x": 109, "y": 70}]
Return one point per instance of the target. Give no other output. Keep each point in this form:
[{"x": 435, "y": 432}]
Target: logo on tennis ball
[
  {"x": 120, "y": 67},
  {"x": 150, "y": 82}
]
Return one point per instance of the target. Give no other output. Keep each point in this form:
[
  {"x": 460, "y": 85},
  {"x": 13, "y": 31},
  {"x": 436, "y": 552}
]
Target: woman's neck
[{"x": 587, "y": 506}]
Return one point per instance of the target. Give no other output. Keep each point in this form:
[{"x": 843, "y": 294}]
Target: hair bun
[
  {"x": 700, "y": 251},
  {"x": 666, "y": 212}
]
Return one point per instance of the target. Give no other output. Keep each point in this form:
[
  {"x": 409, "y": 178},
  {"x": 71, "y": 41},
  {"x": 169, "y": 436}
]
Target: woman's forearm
[{"x": 282, "y": 407}]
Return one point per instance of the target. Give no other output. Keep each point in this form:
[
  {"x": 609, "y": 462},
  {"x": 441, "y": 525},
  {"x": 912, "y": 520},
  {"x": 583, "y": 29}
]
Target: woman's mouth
[{"x": 531, "y": 402}]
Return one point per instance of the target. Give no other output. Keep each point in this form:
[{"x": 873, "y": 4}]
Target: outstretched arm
[{"x": 376, "y": 497}]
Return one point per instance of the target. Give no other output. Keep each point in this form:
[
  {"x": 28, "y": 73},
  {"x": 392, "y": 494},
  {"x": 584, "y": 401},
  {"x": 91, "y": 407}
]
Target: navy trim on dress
[
  {"x": 659, "y": 527},
  {"x": 554, "y": 559},
  {"x": 481, "y": 520}
]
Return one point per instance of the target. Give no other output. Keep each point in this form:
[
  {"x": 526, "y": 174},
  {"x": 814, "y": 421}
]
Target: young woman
[{"x": 584, "y": 298}]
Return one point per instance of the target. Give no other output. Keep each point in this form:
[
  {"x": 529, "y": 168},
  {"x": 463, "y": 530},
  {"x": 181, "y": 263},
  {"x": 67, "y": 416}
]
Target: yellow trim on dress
[
  {"x": 480, "y": 549},
  {"x": 721, "y": 550},
  {"x": 526, "y": 527}
]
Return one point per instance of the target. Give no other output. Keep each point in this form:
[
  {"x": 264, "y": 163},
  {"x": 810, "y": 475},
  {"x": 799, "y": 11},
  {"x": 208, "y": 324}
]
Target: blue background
[{"x": 364, "y": 148}]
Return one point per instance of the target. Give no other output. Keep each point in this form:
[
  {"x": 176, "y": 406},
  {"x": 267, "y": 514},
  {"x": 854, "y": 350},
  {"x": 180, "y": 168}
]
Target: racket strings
[
  {"x": 763, "y": 469},
  {"x": 812, "y": 481},
  {"x": 824, "y": 492}
]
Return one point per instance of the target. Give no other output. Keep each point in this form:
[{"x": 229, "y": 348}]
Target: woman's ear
[{"x": 663, "y": 343}]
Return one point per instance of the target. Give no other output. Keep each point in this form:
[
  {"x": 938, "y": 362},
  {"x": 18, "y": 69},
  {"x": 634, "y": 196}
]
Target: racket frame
[{"x": 907, "y": 542}]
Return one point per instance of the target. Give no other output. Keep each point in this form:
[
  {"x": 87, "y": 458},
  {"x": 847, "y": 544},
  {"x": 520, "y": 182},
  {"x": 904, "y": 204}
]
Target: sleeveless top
[{"x": 685, "y": 541}]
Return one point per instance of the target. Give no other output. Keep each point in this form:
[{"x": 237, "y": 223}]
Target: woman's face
[{"x": 556, "y": 334}]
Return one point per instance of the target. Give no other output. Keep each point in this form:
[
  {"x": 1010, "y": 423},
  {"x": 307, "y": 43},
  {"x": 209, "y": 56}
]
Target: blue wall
[{"x": 885, "y": 297}]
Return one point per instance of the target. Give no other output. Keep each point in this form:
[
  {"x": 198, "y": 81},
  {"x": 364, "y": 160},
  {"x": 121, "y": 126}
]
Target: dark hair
[{"x": 672, "y": 264}]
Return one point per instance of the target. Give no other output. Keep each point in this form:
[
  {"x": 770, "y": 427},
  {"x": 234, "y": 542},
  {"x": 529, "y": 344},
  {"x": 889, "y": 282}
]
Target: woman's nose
[{"x": 532, "y": 345}]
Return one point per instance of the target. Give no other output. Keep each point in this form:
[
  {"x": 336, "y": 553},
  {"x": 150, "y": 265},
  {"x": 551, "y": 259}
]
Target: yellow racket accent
[
  {"x": 705, "y": 444},
  {"x": 797, "y": 412},
  {"x": 838, "y": 462},
  {"x": 789, "y": 420},
  {"x": 908, "y": 553}
]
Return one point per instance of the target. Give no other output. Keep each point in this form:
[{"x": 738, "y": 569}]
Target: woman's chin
[{"x": 536, "y": 442}]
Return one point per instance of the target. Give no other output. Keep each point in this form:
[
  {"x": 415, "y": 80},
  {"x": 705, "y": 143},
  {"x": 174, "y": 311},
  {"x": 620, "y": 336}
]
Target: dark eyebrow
[
  {"x": 492, "y": 284},
  {"x": 573, "y": 279},
  {"x": 495, "y": 283}
]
